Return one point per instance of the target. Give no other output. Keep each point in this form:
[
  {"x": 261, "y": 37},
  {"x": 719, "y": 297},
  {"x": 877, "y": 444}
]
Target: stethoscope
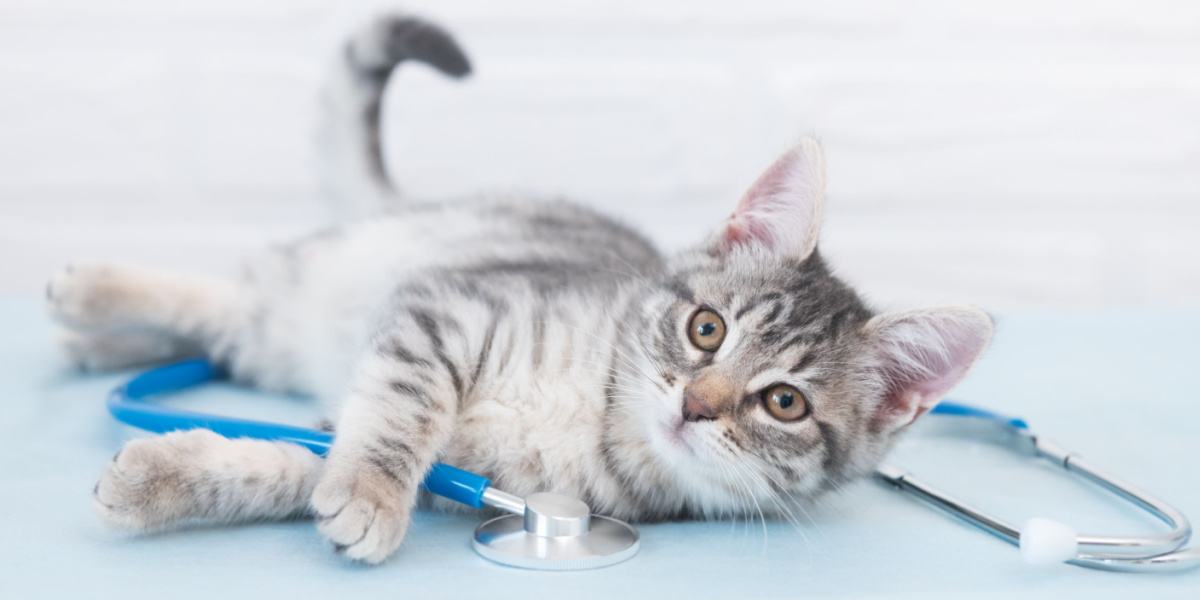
[
  {"x": 557, "y": 532},
  {"x": 1043, "y": 541}
]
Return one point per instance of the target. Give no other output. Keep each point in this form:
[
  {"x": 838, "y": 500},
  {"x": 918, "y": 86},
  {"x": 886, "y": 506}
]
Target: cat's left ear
[
  {"x": 922, "y": 355},
  {"x": 781, "y": 213}
]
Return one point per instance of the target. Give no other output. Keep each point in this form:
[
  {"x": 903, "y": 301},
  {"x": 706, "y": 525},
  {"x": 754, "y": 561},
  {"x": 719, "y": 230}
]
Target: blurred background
[{"x": 1007, "y": 153}]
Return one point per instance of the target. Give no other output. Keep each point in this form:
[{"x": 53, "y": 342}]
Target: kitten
[{"x": 540, "y": 343}]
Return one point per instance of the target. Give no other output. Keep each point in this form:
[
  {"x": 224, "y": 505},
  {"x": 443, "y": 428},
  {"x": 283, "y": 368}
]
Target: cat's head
[{"x": 767, "y": 375}]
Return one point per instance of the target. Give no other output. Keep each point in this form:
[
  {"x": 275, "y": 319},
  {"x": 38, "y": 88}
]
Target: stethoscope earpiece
[{"x": 1047, "y": 542}]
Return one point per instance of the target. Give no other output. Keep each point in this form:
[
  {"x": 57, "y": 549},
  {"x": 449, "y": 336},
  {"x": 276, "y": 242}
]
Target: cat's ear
[
  {"x": 781, "y": 213},
  {"x": 923, "y": 354}
]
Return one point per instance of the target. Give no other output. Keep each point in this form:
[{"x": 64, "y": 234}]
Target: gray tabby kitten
[{"x": 540, "y": 343}]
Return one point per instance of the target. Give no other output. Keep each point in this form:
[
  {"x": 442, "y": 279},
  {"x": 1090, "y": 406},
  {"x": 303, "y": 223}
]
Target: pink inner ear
[
  {"x": 773, "y": 181},
  {"x": 781, "y": 211},
  {"x": 745, "y": 231},
  {"x": 926, "y": 353},
  {"x": 907, "y": 401},
  {"x": 748, "y": 223}
]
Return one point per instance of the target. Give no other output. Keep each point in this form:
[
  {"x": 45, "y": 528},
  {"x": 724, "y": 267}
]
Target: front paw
[
  {"x": 363, "y": 511},
  {"x": 148, "y": 486}
]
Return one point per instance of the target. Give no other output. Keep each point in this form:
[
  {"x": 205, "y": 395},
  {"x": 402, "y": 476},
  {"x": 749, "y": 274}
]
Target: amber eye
[
  {"x": 785, "y": 402},
  {"x": 706, "y": 330}
]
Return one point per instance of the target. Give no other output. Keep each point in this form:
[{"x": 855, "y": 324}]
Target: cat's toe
[
  {"x": 365, "y": 519},
  {"x": 146, "y": 487},
  {"x": 83, "y": 297},
  {"x": 121, "y": 496}
]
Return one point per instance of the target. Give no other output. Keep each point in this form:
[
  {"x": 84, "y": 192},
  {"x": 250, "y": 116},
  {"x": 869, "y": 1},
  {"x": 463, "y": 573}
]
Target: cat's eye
[
  {"x": 785, "y": 402},
  {"x": 706, "y": 330}
]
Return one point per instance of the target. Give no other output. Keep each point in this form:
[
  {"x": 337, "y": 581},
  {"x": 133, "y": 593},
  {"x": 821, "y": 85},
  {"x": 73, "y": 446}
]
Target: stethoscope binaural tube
[
  {"x": 1156, "y": 552},
  {"x": 544, "y": 531}
]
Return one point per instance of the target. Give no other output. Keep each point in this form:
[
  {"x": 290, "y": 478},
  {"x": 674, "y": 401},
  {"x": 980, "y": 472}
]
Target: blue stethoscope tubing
[{"x": 128, "y": 404}]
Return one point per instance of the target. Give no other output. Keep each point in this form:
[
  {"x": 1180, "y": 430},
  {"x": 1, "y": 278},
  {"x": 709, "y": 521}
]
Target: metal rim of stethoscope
[{"x": 1142, "y": 553}]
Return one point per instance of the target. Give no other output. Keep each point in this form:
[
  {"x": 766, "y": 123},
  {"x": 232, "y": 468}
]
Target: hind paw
[{"x": 88, "y": 296}]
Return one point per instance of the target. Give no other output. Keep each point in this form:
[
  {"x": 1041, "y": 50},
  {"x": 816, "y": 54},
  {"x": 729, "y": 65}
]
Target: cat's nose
[
  {"x": 705, "y": 398},
  {"x": 696, "y": 409}
]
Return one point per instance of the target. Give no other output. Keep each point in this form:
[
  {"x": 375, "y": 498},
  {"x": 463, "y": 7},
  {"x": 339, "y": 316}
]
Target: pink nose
[{"x": 695, "y": 409}]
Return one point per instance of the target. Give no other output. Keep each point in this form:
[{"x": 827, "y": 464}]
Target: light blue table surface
[{"x": 1117, "y": 387}]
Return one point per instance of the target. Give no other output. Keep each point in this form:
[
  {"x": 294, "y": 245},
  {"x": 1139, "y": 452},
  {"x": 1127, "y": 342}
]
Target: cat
[{"x": 539, "y": 343}]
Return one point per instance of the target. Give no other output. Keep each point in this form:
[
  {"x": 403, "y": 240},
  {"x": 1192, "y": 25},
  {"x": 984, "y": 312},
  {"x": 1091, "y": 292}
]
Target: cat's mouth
[
  {"x": 685, "y": 437},
  {"x": 676, "y": 433}
]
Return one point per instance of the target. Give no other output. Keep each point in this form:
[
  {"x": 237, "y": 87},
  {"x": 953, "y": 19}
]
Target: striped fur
[{"x": 354, "y": 171}]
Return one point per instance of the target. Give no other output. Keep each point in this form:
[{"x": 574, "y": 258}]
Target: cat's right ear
[
  {"x": 922, "y": 355},
  {"x": 780, "y": 214}
]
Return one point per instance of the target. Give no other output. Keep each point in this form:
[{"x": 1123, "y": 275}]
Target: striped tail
[{"x": 352, "y": 156}]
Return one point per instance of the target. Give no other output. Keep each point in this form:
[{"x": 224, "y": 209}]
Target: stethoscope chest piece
[{"x": 555, "y": 533}]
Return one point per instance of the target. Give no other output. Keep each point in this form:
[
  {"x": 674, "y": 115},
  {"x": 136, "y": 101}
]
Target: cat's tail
[{"x": 352, "y": 157}]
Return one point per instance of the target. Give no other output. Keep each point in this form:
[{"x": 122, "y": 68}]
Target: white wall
[{"x": 1006, "y": 153}]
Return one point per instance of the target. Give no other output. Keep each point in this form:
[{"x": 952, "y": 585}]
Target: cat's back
[
  {"x": 331, "y": 288},
  {"x": 540, "y": 238},
  {"x": 508, "y": 234}
]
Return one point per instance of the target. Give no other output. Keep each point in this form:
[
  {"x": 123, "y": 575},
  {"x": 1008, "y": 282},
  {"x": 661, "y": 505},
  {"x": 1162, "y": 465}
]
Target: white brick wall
[{"x": 1007, "y": 153}]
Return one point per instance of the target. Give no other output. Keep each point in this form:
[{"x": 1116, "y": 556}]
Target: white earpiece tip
[{"x": 1047, "y": 542}]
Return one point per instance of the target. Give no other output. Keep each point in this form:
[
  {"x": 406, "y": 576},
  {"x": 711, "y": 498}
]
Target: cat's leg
[
  {"x": 121, "y": 315},
  {"x": 199, "y": 476},
  {"x": 397, "y": 416}
]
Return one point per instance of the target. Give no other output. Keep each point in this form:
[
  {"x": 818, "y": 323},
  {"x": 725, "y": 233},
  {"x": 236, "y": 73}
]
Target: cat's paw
[
  {"x": 148, "y": 485},
  {"x": 363, "y": 512},
  {"x": 87, "y": 296}
]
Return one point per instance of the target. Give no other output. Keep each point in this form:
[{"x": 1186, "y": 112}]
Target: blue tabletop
[{"x": 1117, "y": 387}]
